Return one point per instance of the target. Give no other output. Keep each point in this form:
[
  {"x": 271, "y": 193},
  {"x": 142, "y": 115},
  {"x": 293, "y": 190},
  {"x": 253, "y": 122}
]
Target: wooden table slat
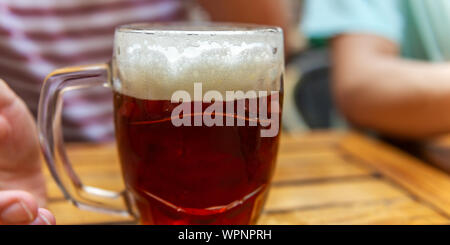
[
  {"x": 316, "y": 166},
  {"x": 282, "y": 198},
  {"x": 394, "y": 212},
  {"x": 323, "y": 177},
  {"x": 422, "y": 181}
]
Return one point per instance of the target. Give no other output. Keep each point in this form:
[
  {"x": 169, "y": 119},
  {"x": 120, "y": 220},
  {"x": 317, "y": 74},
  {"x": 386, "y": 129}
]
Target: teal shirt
[{"x": 420, "y": 27}]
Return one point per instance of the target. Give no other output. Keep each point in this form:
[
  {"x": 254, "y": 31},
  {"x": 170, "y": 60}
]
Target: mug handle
[{"x": 52, "y": 143}]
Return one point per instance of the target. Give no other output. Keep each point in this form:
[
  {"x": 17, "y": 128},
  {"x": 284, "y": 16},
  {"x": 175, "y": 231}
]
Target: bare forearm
[{"x": 395, "y": 96}]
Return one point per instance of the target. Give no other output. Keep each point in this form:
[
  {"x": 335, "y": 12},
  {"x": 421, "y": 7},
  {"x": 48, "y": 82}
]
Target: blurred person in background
[
  {"x": 390, "y": 62},
  {"x": 37, "y": 37}
]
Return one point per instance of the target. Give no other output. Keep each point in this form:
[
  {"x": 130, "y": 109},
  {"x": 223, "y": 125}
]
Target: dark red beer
[{"x": 191, "y": 174}]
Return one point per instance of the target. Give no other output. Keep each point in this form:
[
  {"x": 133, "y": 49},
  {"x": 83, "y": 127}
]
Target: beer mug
[{"x": 197, "y": 113}]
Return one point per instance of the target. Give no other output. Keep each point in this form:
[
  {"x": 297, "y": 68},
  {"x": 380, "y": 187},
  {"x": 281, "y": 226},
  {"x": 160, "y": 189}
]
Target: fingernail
[
  {"x": 44, "y": 218},
  {"x": 16, "y": 213},
  {"x": 46, "y": 221}
]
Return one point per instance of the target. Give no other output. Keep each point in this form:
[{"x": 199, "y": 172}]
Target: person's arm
[
  {"x": 264, "y": 12},
  {"x": 377, "y": 89},
  {"x": 22, "y": 183}
]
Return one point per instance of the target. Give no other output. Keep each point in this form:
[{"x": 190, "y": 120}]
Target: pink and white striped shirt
[{"x": 39, "y": 36}]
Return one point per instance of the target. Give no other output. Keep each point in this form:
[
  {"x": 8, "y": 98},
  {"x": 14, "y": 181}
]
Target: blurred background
[
  {"x": 338, "y": 55},
  {"x": 37, "y": 37}
]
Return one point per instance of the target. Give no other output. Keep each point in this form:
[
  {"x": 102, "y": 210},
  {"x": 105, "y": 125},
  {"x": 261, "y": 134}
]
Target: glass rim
[{"x": 198, "y": 28}]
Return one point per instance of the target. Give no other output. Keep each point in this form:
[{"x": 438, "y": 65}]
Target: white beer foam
[{"x": 155, "y": 65}]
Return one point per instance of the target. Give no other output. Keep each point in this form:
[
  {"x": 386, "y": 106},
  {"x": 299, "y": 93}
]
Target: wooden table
[{"x": 321, "y": 178}]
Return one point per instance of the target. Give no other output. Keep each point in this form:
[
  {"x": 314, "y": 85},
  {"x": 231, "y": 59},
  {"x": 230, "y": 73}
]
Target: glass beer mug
[{"x": 197, "y": 118}]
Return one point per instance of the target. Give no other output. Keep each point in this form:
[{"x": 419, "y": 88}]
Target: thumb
[
  {"x": 6, "y": 94},
  {"x": 6, "y": 98},
  {"x": 17, "y": 207}
]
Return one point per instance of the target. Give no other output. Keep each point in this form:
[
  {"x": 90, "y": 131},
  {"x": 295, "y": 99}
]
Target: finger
[
  {"x": 6, "y": 94},
  {"x": 17, "y": 207},
  {"x": 5, "y": 129},
  {"x": 45, "y": 217},
  {"x": 6, "y": 98}
]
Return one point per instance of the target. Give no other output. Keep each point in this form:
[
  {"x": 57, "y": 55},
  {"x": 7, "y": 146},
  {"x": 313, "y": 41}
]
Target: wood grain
[
  {"x": 398, "y": 211},
  {"x": 316, "y": 141},
  {"x": 67, "y": 214},
  {"x": 321, "y": 178},
  {"x": 284, "y": 198},
  {"x": 317, "y": 166},
  {"x": 420, "y": 180}
]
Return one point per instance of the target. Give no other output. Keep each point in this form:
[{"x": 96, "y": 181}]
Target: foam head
[{"x": 153, "y": 61}]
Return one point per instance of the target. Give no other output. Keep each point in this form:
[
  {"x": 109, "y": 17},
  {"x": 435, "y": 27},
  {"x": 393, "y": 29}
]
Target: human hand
[
  {"x": 22, "y": 184},
  {"x": 21, "y": 208}
]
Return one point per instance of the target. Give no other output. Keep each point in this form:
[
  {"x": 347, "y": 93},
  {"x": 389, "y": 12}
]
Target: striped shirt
[{"x": 39, "y": 36}]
